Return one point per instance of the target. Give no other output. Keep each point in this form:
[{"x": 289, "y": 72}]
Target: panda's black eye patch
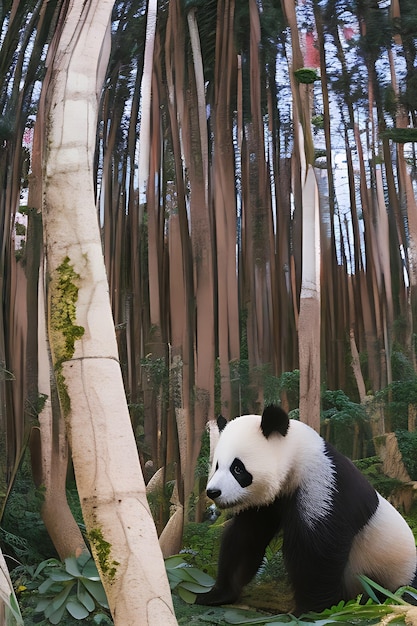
[{"x": 240, "y": 473}]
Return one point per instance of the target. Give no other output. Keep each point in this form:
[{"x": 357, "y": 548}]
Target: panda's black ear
[
  {"x": 221, "y": 422},
  {"x": 274, "y": 420}
]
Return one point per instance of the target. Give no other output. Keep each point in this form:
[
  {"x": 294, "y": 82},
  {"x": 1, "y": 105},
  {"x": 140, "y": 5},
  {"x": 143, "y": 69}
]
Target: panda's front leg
[{"x": 242, "y": 549}]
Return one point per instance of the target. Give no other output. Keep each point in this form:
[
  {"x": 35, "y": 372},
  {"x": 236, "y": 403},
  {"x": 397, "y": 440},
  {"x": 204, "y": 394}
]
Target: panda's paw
[{"x": 216, "y": 597}]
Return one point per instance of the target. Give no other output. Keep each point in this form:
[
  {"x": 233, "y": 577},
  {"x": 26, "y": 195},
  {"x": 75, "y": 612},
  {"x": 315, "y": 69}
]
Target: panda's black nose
[{"x": 213, "y": 493}]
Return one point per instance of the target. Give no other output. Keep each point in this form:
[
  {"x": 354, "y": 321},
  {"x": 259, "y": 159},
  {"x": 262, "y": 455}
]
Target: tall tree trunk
[
  {"x": 225, "y": 199},
  {"x": 309, "y": 320},
  {"x": 305, "y": 179},
  {"x": 82, "y": 337}
]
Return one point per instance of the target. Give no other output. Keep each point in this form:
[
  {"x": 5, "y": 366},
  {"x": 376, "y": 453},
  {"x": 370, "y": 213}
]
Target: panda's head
[{"x": 251, "y": 461}]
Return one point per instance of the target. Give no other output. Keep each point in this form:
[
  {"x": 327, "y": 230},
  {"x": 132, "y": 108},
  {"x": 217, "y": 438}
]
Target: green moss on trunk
[
  {"x": 102, "y": 549},
  {"x": 63, "y": 330}
]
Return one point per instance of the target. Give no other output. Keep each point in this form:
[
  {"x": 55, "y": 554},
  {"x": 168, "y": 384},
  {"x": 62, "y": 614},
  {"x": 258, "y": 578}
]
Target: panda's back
[{"x": 347, "y": 535}]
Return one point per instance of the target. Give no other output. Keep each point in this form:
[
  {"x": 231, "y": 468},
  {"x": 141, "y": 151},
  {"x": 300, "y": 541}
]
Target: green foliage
[
  {"x": 352, "y": 612},
  {"x": 407, "y": 444},
  {"x": 20, "y": 229},
  {"x": 202, "y": 466},
  {"x": 290, "y": 383},
  {"x": 159, "y": 499},
  {"x": 406, "y": 25},
  {"x": 6, "y": 128},
  {"x": 318, "y": 122},
  {"x": 345, "y": 423},
  {"x": 337, "y": 406},
  {"x": 402, "y": 392},
  {"x": 401, "y": 135},
  {"x": 378, "y": 32},
  {"x": 371, "y": 468},
  {"x": 23, "y": 532},
  {"x": 270, "y": 385},
  {"x": 306, "y": 75},
  {"x": 409, "y": 97},
  {"x": 201, "y": 542},
  {"x": 137, "y": 415},
  {"x": 273, "y": 567},
  {"x": 185, "y": 579},
  {"x": 319, "y": 153},
  {"x": 156, "y": 370},
  {"x": 390, "y": 101},
  {"x": 372, "y": 589},
  {"x": 72, "y": 587},
  {"x": 274, "y": 387},
  {"x": 402, "y": 367}
]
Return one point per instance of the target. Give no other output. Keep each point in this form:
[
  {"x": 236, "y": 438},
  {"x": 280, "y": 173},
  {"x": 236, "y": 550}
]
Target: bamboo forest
[{"x": 206, "y": 207}]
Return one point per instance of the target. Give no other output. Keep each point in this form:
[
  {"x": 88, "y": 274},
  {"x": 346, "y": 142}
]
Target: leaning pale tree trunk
[
  {"x": 81, "y": 331},
  {"x": 9, "y": 608}
]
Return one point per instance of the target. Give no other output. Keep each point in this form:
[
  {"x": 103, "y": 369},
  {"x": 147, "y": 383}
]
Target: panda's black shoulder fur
[{"x": 354, "y": 497}]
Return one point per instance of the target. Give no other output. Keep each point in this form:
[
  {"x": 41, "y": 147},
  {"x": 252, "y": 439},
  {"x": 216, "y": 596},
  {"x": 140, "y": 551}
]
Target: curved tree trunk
[{"x": 81, "y": 332}]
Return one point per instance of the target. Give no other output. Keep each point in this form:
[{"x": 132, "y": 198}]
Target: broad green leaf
[
  {"x": 59, "y": 575},
  {"x": 84, "y": 558},
  {"x": 46, "y": 563},
  {"x": 14, "y": 608},
  {"x": 52, "y": 608},
  {"x": 183, "y": 574},
  {"x": 47, "y": 584},
  {"x": 97, "y": 591},
  {"x": 193, "y": 587},
  {"x": 90, "y": 570},
  {"x": 56, "y": 617},
  {"x": 76, "y": 609},
  {"x": 174, "y": 578},
  {"x": 85, "y": 598},
  {"x": 408, "y": 590},
  {"x": 174, "y": 561},
  {"x": 72, "y": 567},
  {"x": 61, "y": 598},
  {"x": 371, "y": 584},
  {"x": 201, "y": 577},
  {"x": 187, "y": 596},
  {"x": 98, "y": 619}
]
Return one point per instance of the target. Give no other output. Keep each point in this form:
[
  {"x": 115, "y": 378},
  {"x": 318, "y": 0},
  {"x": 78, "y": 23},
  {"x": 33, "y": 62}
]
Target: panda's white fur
[
  {"x": 371, "y": 551},
  {"x": 335, "y": 525}
]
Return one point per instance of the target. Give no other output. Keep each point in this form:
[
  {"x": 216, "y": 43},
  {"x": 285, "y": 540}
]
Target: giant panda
[{"x": 277, "y": 474}]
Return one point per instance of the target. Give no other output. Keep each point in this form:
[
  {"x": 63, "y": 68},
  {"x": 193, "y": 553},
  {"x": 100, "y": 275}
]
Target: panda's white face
[{"x": 249, "y": 469}]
